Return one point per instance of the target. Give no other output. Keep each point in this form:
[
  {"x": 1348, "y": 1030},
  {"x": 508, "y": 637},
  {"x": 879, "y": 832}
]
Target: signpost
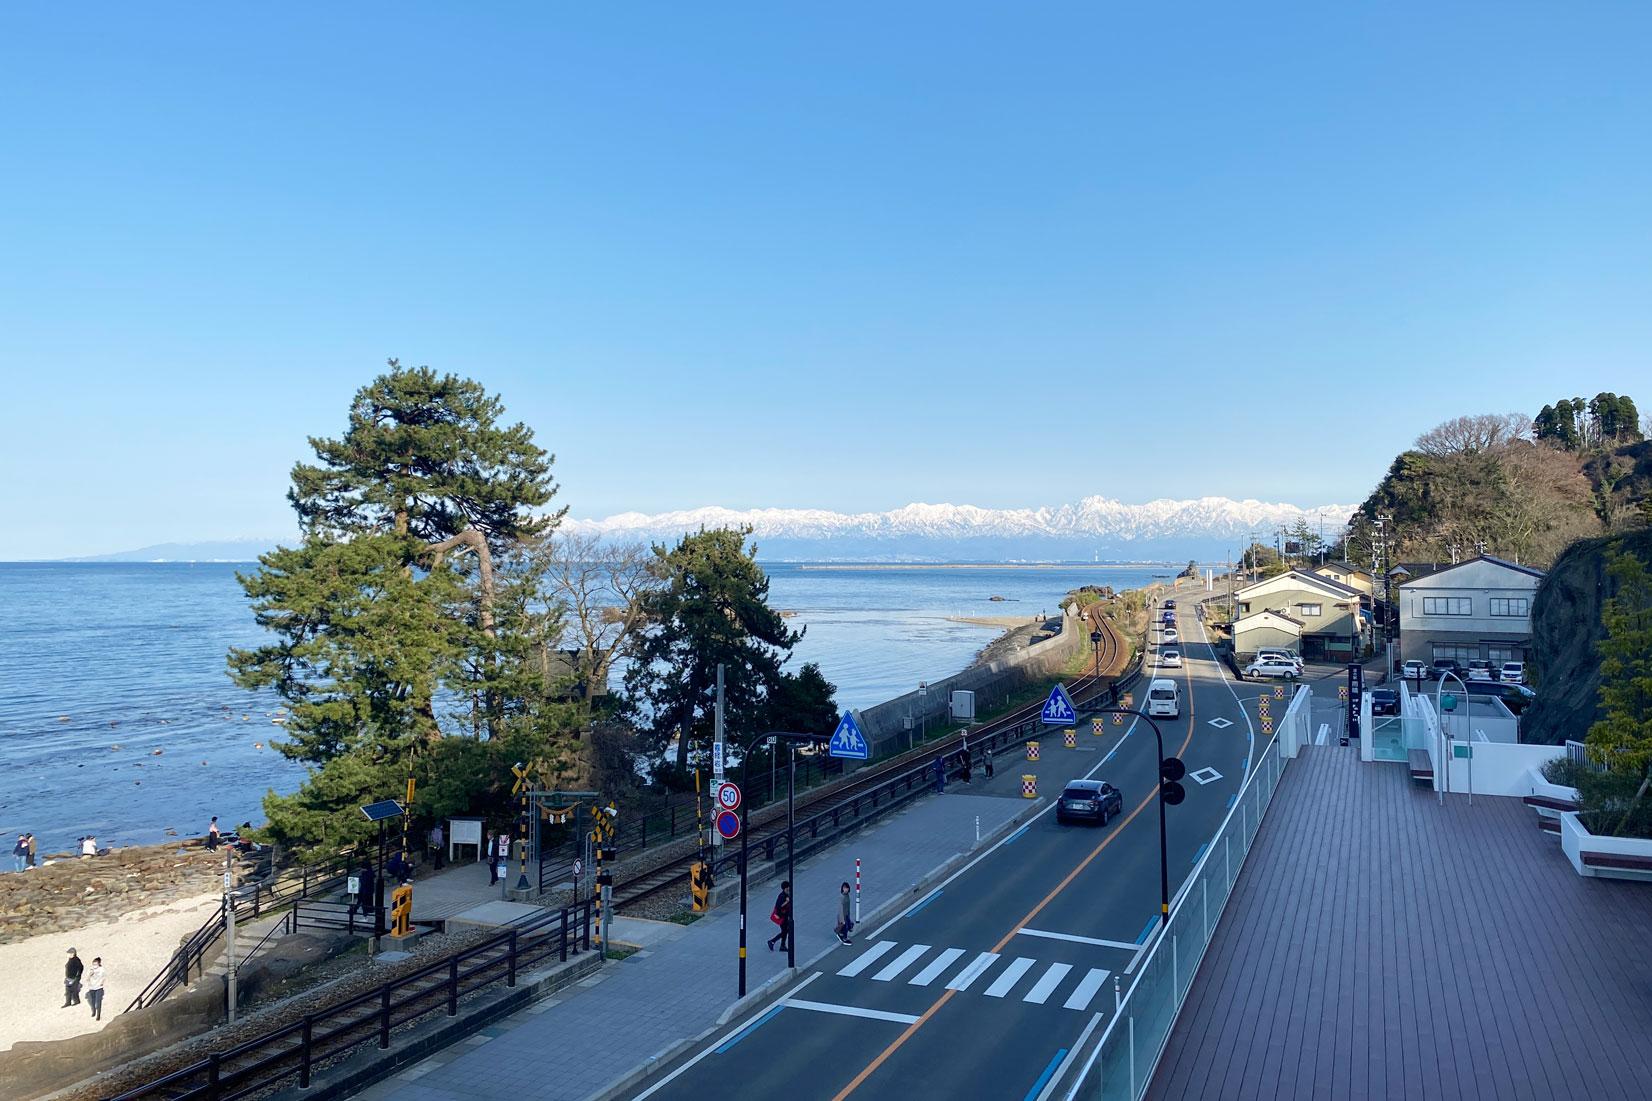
[
  {"x": 728, "y": 796},
  {"x": 847, "y": 741},
  {"x": 1058, "y": 709},
  {"x": 728, "y": 825},
  {"x": 1356, "y": 687}
]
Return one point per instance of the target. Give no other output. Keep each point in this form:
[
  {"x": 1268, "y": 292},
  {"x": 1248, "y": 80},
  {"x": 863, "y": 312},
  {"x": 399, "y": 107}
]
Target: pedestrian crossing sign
[
  {"x": 847, "y": 740},
  {"x": 1058, "y": 709}
]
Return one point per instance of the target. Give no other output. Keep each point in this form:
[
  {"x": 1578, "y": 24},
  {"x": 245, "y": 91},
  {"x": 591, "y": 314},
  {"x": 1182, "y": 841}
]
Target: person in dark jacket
[
  {"x": 940, "y": 775},
  {"x": 844, "y": 922},
  {"x": 965, "y": 762},
  {"x": 782, "y": 917},
  {"x": 71, "y": 980}
]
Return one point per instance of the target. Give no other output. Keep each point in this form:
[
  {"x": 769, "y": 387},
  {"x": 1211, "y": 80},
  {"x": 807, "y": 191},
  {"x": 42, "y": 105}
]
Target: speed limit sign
[{"x": 728, "y": 796}]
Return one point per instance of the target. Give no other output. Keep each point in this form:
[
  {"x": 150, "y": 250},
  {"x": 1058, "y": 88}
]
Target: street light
[
  {"x": 1439, "y": 695},
  {"x": 792, "y": 741},
  {"x": 1171, "y": 770}
]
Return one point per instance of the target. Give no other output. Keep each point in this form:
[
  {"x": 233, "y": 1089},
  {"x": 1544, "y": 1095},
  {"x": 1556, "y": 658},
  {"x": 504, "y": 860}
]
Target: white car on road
[
  {"x": 1513, "y": 672},
  {"x": 1172, "y": 658},
  {"x": 1169, "y": 634},
  {"x": 1289, "y": 657},
  {"x": 1272, "y": 669}
]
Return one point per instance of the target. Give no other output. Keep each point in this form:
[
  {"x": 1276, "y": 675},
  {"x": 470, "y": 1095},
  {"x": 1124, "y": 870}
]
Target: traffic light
[{"x": 1171, "y": 770}]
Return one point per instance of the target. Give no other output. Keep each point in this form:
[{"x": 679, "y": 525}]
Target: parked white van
[{"x": 1164, "y": 699}]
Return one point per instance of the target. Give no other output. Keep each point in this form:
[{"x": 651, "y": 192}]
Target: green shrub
[{"x": 1565, "y": 771}]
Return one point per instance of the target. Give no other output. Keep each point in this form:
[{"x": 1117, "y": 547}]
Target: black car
[
  {"x": 1447, "y": 665},
  {"x": 1385, "y": 701},
  {"x": 1516, "y": 697},
  {"x": 1170, "y": 604},
  {"x": 1089, "y": 801}
]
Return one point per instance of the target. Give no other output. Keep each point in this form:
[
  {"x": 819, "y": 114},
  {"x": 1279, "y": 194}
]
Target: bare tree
[
  {"x": 601, "y": 586},
  {"x": 1474, "y": 435}
]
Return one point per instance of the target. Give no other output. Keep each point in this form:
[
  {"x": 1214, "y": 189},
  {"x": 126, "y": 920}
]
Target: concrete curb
[{"x": 657, "y": 1063}]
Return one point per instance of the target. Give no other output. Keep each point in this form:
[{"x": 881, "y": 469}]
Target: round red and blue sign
[{"x": 728, "y": 824}]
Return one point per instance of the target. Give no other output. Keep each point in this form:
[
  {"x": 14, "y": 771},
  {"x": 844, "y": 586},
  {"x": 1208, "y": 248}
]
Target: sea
[{"x": 117, "y": 718}]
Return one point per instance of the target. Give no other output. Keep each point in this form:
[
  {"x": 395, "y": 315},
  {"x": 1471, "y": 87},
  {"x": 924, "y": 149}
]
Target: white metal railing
[{"x": 1121, "y": 1064}]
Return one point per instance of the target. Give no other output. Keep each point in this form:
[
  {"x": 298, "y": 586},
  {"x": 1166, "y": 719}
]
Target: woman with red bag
[{"x": 782, "y": 916}]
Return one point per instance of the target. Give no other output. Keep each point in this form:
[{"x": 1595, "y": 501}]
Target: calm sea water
[{"x": 118, "y": 719}]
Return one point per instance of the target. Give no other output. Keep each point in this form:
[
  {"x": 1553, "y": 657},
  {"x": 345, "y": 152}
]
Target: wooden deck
[{"x": 1379, "y": 945}]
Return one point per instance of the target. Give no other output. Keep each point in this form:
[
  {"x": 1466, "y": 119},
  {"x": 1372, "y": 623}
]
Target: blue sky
[{"x": 843, "y": 256}]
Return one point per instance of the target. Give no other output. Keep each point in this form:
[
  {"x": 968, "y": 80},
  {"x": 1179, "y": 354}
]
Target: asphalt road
[{"x": 983, "y": 988}]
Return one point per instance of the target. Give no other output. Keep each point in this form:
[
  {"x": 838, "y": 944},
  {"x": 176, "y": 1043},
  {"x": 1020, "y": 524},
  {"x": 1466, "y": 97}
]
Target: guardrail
[
  {"x": 1121, "y": 1065},
  {"x": 292, "y": 1051}
]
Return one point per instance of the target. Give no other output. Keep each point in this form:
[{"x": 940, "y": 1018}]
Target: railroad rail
[{"x": 877, "y": 790}]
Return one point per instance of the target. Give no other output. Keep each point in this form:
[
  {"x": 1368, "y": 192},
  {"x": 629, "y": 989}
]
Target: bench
[
  {"x": 1422, "y": 767},
  {"x": 1549, "y": 825},
  {"x": 1544, "y": 802},
  {"x": 1621, "y": 861}
]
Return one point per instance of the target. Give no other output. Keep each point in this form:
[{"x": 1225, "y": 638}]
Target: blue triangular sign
[
  {"x": 1058, "y": 709},
  {"x": 847, "y": 740}
]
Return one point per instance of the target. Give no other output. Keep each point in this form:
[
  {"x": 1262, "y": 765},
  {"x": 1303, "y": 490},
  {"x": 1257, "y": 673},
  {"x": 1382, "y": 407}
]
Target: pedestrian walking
[
  {"x": 438, "y": 846},
  {"x": 493, "y": 861},
  {"x": 20, "y": 851},
  {"x": 212, "y": 835},
  {"x": 965, "y": 763},
  {"x": 986, "y": 763},
  {"x": 32, "y": 855},
  {"x": 71, "y": 980},
  {"x": 782, "y": 916},
  {"x": 845, "y": 923},
  {"x": 939, "y": 768},
  {"x": 94, "y": 988}
]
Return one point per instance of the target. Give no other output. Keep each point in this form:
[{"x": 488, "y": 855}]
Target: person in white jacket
[{"x": 94, "y": 988}]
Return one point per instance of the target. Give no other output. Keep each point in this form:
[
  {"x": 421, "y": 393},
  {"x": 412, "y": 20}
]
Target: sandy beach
[
  {"x": 133, "y": 948},
  {"x": 1001, "y": 622}
]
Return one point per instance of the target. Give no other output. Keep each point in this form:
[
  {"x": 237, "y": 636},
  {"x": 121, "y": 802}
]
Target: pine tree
[{"x": 1622, "y": 739}]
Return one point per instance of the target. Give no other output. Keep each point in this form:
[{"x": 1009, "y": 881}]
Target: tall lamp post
[
  {"x": 792, "y": 740},
  {"x": 1439, "y": 696},
  {"x": 1171, "y": 793}
]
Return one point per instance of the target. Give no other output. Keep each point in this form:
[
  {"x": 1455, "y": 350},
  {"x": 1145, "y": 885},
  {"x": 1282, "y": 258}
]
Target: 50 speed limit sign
[{"x": 728, "y": 796}]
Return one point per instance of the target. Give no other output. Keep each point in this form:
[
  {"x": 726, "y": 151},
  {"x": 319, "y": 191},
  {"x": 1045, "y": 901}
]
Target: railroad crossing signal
[
  {"x": 401, "y": 911},
  {"x": 1171, "y": 770},
  {"x": 521, "y": 774}
]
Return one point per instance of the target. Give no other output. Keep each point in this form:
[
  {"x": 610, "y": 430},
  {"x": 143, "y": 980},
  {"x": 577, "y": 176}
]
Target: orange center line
[{"x": 895, "y": 1045}]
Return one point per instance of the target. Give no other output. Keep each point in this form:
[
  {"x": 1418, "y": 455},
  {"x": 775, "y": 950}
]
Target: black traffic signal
[{"x": 1171, "y": 770}]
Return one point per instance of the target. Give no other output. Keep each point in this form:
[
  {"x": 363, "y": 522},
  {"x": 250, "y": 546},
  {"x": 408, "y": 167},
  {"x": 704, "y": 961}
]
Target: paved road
[{"x": 984, "y": 987}]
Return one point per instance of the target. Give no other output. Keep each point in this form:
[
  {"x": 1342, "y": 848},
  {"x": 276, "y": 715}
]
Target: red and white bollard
[{"x": 857, "y": 890}]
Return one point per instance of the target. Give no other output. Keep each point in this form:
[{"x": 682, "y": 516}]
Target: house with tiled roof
[{"x": 1325, "y": 614}]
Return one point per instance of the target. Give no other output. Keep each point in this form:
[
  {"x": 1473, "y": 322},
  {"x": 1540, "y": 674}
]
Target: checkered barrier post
[
  {"x": 1118, "y": 718},
  {"x": 1069, "y": 738},
  {"x": 1032, "y": 751},
  {"x": 1029, "y": 786},
  {"x": 1095, "y": 725},
  {"x": 1279, "y": 691}
]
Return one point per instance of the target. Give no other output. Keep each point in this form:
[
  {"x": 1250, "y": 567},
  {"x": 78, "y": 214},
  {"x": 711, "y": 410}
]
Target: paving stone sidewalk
[{"x": 678, "y": 988}]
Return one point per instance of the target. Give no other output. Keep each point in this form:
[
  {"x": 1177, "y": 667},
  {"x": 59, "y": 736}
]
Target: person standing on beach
[
  {"x": 94, "y": 988},
  {"x": 212, "y": 835},
  {"x": 71, "y": 980},
  {"x": 20, "y": 851},
  {"x": 31, "y": 851}
]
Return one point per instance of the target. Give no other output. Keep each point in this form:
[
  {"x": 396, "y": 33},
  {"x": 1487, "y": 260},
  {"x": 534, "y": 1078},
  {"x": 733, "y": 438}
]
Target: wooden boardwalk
[{"x": 1379, "y": 945}]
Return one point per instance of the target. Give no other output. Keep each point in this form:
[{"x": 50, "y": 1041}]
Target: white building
[{"x": 1479, "y": 609}]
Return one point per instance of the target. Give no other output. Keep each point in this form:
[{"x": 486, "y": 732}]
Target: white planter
[
  {"x": 1544, "y": 789},
  {"x": 1575, "y": 840}
]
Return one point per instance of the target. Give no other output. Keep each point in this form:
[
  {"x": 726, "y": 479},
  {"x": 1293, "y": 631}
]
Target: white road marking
[
  {"x": 933, "y": 971},
  {"x": 1206, "y": 775},
  {"x": 720, "y": 1041},
  {"x": 901, "y": 963},
  {"x": 980, "y": 963},
  {"x": 1086, "y": 989},
  {"x": 1060, "y": 1072},
  {"x": 867, "y": 958},
  {"x": 1012, "y": 975},
  {"x": 1041, "y": 991},
  {"x": 1220, "y": 723},
  {"x": 851, "y": 1011},
  {"x": 1076, "y": 939}
]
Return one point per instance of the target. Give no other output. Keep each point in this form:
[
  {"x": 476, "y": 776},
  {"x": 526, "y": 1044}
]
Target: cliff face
[{"x": 1566, "y": 627}]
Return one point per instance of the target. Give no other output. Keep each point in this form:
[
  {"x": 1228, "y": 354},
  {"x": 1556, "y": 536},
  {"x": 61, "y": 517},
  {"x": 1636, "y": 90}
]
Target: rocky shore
[{"x": 71, "y": 893}]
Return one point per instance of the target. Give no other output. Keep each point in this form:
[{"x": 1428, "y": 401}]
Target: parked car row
[{"x": 1508, "y": 672}]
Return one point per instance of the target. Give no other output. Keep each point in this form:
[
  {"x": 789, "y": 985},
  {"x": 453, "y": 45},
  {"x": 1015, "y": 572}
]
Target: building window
[
  {"x": 1497, "y": 655},
  {"x": 1462, "y": 655},
  {"x": 1306, "y": 611},
  {"x": 1448, "y": 605},
  {"x": 1512, "y": 605}
]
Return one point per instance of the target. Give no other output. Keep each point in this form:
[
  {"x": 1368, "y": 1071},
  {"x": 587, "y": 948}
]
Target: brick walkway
[{"x": 569, "y": 1047}]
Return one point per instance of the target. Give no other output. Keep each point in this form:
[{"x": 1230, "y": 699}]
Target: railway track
[{"x": 881, "y": 785}]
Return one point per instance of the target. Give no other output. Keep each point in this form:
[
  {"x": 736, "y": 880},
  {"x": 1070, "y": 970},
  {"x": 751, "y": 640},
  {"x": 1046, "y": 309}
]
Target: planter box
[
  {"x": 1542, "y": 789},
  {"x": 1577, "y": 843}
]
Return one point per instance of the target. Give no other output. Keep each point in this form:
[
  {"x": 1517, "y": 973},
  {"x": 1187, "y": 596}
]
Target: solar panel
[{"x": 378, "y": 812}]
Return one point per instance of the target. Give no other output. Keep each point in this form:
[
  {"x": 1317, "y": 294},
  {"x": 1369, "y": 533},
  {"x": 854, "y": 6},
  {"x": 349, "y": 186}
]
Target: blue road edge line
[
  {"x": 1201, "y": 852},
  {"x": 1232, "y": 799},
  {"x": 753, "y": 1027},
  {"x": 1012, "y": 838},
  {"x": 925, "y": 901},
  {"x": 1146, "y": 930},
  {"x": 1045, "y": 1077}
]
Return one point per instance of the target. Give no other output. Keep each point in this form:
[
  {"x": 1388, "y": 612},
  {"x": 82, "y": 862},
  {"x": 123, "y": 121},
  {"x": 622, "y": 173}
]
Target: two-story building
[
  {"x": 1345, "y": 573},
  {"x": 1478, "y": 609},
  {"x": 1325, "y": 616}
]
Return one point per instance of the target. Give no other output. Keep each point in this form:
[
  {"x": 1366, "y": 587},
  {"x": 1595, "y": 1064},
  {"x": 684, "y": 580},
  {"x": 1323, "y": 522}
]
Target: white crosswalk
[{"x": 1005, "y": 982}]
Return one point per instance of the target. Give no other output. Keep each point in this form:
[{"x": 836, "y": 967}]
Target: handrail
[{"x": 293, "y": 1049}]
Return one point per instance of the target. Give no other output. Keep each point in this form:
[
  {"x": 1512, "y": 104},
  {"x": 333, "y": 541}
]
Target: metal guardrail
[
  {"x": 1121, "y": 1065},
  {"x": 293, "y": 1050}
]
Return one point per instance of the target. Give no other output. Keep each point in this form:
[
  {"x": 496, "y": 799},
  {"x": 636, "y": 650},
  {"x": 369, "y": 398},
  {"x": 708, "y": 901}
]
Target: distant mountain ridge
[{"x": 1094, "y": 528}]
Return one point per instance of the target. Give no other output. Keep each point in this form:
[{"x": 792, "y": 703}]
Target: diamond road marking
[
  {"x": 1221, "y": 724},
  {"x": 1206, "y": 775}
]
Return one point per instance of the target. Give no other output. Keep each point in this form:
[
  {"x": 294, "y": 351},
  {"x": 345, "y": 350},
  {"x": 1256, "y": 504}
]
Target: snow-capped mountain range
[{"x": 1095, "y": 527}]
